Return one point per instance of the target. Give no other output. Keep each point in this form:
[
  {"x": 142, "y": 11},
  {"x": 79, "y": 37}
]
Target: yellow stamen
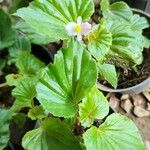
[{"x": 78, "y": 28}]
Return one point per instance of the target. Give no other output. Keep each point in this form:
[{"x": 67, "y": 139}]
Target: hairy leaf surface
[
  {"x": 24, "y": 93},
  {"x": 49, "y": 17},
  {"x": 94, "y": 106},
  {"x": 51, "y": 135},
  {"x": 99, "y": 41},
  {"x": 108, "y": 72},
  {"x": 64, "y": 83},
  {"x": 116, "y": 133},
  {"x": 118, "y": 11}
]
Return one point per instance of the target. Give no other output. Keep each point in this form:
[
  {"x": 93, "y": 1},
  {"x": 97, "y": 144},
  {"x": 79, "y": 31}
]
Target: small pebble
[
  {"x": 147, "y": 143},
  {"x": 127, "y": 105},
  {"x": 114, "y": 102},
  {"x": 140, "y": 112},
  {"x": 139, "y": 100},
  {"x": 148, "y": 106},
  {"x": 124, "y": 97}
]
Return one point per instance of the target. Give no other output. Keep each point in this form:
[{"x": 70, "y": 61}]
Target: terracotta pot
[{"x": 134, "y": 89}]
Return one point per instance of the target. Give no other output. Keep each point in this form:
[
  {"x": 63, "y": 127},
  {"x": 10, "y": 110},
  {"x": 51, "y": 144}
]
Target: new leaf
[
  {"x": 99, "y": 41},
  {"x": 94, "y": 106}
]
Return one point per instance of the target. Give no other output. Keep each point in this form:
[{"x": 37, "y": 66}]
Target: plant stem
[{"x": 3, "y": 85}]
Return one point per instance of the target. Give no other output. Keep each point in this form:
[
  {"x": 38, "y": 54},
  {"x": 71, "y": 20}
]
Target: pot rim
[{"x": 130, "y": 90}]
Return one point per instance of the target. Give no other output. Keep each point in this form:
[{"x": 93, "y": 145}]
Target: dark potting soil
[{"x": 131, "y": 77}]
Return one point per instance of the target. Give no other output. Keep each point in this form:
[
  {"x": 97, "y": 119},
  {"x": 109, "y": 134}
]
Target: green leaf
[
  {"x": 14, "y": 79},
  {"x": 146, "y": 42},
  {"x": 67, "y": 81},
  {"x": 21, "y": 44},
  {"x": 35, "y": 37},
  {"x": 99, "y": 41},
  {"x": 118, "y": 11},
  {"x": 126, "y": 43},
  {"x": 126, "y": 29},
  {"x": 36, "y": 112},
  {"x": 28, "y": 64},
  {"x": 2, "y": 63},
  {"x": 116, "y": 133},
  {"x": 24, "y": 94},
  {"x": 139, "y": 23},
  {"x": 108, "y": 72},
  {"x": 52, "y": 135},
  {"x": 5, "y": 116},
  {"x": 94, "y": 106},
  {"x": 7, "y": 34},
  {"x": 51, "y": 17}
]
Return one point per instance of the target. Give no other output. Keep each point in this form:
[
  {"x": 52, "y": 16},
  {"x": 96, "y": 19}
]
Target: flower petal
[
  {"x": 70, "y": 29},
  {"x": 85, "y": 28},
  {"x": 79, "y": 20}
]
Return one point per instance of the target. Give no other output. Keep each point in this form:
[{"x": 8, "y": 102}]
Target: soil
[{"x": 130, "y": 77}]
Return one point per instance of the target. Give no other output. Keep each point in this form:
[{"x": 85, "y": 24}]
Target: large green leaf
[
  {"x": 24, "y": 93},
  {"x": 108, "y": 72},
  {"x": 7, "y": 34},
  {"x": 35, "y": 37},
  {"x": 116, "y": 133},
  {"x": 94, "y": 106},
  {"x": 67, "y": 81},
  {"x": 99, "y": 41},
  {"x": 51, "y": 135},
  {"x": 118, "y": 11},
  {"x": 126, "y": 43},
  {"x": 49, "y": 17},
  {"x": 5, "y": 116}
]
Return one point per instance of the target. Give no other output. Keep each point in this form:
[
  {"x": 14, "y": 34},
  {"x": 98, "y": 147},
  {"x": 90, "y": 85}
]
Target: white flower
[{"x": 78, "y": 29}]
